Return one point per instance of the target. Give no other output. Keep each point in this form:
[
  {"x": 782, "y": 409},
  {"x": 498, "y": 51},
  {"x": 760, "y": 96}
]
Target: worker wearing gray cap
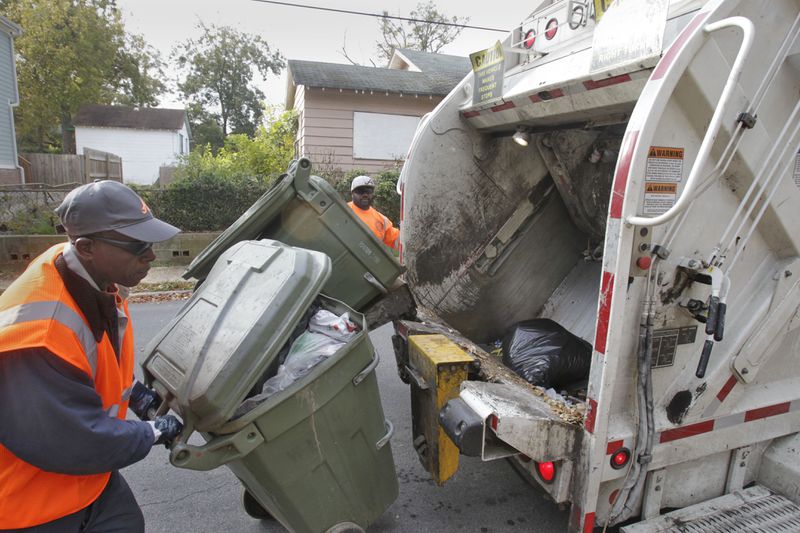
[
  {"x": 362, "y": 191},
  {"x": 66, "y": 371}
]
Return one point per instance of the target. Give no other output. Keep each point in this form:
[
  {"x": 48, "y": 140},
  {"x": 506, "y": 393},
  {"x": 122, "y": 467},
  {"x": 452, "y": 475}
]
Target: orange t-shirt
[{"x": 380, "y": 225}]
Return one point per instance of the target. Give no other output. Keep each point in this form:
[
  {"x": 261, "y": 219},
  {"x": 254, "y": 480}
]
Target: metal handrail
[{"x": 713, "y": 128}]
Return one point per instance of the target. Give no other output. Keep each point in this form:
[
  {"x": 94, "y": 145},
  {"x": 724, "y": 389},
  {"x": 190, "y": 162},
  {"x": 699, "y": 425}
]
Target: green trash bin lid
[{"x": 233, "y": 327}]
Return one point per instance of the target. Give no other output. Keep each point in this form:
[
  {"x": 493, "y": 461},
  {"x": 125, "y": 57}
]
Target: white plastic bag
[
  {"x": 335, "y": 327},
  {"x": 307, "y": 351}
]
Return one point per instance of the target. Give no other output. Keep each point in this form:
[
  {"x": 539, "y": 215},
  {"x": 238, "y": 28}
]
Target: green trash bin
[
  {"x": 305, "y": 211},
  {"x": 315, "y": 455}
]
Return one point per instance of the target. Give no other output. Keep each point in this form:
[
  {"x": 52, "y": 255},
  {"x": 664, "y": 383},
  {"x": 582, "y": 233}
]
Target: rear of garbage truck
[{"x": 631, "y": 175}]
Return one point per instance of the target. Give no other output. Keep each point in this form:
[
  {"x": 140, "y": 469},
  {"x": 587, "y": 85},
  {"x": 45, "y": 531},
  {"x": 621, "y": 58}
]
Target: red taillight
[
  {"x": 620, "y": 458},
  {"x": 493, "y": 421},
  {"x": 530, "y": 38},
  {"x": 546, "y": 471},
  {"x": 551, "y": 29}
]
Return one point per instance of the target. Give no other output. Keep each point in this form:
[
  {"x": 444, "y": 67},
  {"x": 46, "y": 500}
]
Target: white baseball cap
[{"x": 361, "y": 181}]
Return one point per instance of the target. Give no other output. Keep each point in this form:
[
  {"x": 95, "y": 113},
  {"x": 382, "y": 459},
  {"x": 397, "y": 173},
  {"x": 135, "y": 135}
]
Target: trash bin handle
[
  {"x": 217, "y": 451},
  {"x": 370, "y": 367},
  {"x": 372, "y": 280},
  {"x": 386, "y": 438}
]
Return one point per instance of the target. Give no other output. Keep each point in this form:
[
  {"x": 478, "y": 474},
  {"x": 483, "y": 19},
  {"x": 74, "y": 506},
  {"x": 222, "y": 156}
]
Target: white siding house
[
  {"x": 146, "y": 139},
  {"x": 9, "y": 97}
]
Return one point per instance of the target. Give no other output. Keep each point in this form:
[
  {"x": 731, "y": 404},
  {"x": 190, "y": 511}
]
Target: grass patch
[{"x": 164, "y": 286}]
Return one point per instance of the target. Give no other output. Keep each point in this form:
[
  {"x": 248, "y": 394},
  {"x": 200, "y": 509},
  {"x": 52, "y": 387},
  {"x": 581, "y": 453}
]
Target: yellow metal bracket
[{"x": 438, "y": 366}]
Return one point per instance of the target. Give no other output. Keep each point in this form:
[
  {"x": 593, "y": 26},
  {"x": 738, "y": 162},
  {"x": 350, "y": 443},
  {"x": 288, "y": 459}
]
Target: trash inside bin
[
  {"x": 306, "y": 211},
  {"x": 315, "y": 454}
]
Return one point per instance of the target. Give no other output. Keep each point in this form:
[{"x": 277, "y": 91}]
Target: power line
[{"x": 380, "y": 16}]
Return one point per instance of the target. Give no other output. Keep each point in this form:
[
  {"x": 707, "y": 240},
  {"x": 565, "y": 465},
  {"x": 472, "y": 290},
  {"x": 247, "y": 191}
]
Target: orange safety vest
[
  {"x": 380, "y": 225},
  {"x": 38, "y": 311}
]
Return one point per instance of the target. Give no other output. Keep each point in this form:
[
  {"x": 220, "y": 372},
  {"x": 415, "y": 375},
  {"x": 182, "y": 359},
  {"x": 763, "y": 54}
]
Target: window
[{"x": 382, "y": 136}]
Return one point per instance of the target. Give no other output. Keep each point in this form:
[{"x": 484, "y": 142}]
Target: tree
[
  {"x": 263, "y": 157},
  {"x": 72, "y": 52},
  {"x": 206, "y": 131},
  {"x": 141, "y": 72},
  {"x": 429, "y": 36},
  {"x": 219, "y": 70}
]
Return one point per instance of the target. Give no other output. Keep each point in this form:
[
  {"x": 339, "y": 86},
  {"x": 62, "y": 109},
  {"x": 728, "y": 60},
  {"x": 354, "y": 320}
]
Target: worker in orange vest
[
  {"x": 362, "y": 191},
  {"x": 66, "y": 371}
]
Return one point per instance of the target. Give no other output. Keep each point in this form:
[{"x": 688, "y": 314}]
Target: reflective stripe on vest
[
  {"x": 113, "y": 411},
  {"x": 58, "y": 312}
]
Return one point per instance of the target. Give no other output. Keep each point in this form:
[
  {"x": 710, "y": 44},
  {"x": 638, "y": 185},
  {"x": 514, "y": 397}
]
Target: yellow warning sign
[
  {"x": 660, "y": 188},
  {"x": 489, "y": 67},
  {"x": 661, "y": 151}
]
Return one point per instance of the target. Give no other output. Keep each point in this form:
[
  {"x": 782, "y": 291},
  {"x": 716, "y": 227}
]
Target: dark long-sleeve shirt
[{"x": 50, "y": 414}]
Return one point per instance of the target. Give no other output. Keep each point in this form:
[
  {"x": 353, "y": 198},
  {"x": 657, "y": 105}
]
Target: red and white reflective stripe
[
  {"x": 707, "y": 426},
  {"x": 605, "y": 82},
  {"x": 677, "y": 45},
  {"x": 621, "y": 174},
  {"x": 614, "y": 445},
  {"x": 735, "y": 419},
  {"x": 502, "y": 107},
  {"x": 575, "y": 517},
  {"x": 604, "y": 312},
  {"x": 591, "y": 415},
  {"x": 558, "y": 92},
  {"x": 588, "y": 522},
  {"x": 720, "y": 397}
]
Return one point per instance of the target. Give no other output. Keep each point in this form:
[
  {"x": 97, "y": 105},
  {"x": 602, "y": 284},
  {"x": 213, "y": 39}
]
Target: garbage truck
[{"x": 627, "y": 172}]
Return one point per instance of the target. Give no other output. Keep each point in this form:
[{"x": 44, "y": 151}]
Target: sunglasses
[{"x": 133, "y": 247}]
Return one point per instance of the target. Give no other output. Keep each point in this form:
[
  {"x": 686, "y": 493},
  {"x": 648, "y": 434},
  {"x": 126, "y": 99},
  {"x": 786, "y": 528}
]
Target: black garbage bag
[{"x": 546, "y": 354}]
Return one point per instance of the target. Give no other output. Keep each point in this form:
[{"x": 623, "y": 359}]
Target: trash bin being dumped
[
  {"x": 306, "y": 211},
  {"x": 315, "y": 454}
]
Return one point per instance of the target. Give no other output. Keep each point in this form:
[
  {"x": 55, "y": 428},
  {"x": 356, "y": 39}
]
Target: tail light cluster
[
  {"x": 620, "y": 458},
  {"x": 530, "y": 39},
  {"x": 546, "y": 471},
  {"x": 551, "y": 29}
]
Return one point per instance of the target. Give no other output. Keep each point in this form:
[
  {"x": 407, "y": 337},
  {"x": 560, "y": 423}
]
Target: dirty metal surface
[{"x": 492, "y": 368}]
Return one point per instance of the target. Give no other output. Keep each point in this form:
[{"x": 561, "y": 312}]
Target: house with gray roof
[
  {"x": 146, "y": 139},
  {"x": 10, "y": 172},
  {"x": 351, "y": 116}
]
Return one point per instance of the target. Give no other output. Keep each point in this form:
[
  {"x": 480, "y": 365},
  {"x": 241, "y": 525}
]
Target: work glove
[
  {"x": 143, "y": 401},
  {"x": 165, "y": 429}
]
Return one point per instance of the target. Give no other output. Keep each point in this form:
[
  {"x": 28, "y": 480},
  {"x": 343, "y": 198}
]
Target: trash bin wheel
[
  {"x": 253, "y": 508},
  {"x": 346, "y": 527}
]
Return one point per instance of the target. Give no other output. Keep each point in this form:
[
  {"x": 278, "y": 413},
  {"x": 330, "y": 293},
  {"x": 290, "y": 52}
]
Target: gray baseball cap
[
  {"x": 361, "y": 181},
  {"x": 111, "y": 206}
]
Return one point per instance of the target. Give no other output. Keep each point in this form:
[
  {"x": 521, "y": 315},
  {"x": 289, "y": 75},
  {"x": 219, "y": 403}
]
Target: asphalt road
[{"x": 481, "y": 497}]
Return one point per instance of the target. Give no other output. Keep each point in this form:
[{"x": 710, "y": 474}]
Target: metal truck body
[{"x": 655, "y": 212}]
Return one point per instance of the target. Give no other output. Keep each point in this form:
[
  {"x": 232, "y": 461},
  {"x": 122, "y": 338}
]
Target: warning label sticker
[
  {"x": 797, "y": 169},
  {"x": 659, "y": 197},
  {"x": 664, "y": 164}
]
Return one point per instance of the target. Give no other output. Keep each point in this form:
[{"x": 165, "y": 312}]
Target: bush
[{"x": 207, "y": 203}]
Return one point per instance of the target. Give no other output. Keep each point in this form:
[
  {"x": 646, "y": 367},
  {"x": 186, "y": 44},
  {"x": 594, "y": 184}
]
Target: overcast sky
[{"x": 307, "y": 34}]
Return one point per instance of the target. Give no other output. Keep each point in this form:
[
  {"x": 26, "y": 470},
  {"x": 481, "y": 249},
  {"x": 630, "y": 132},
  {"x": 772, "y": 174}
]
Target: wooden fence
[{"x": 62, "y": 169}]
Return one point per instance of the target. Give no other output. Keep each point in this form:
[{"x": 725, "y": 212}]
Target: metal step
[{"x": 756, "y": 509}]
